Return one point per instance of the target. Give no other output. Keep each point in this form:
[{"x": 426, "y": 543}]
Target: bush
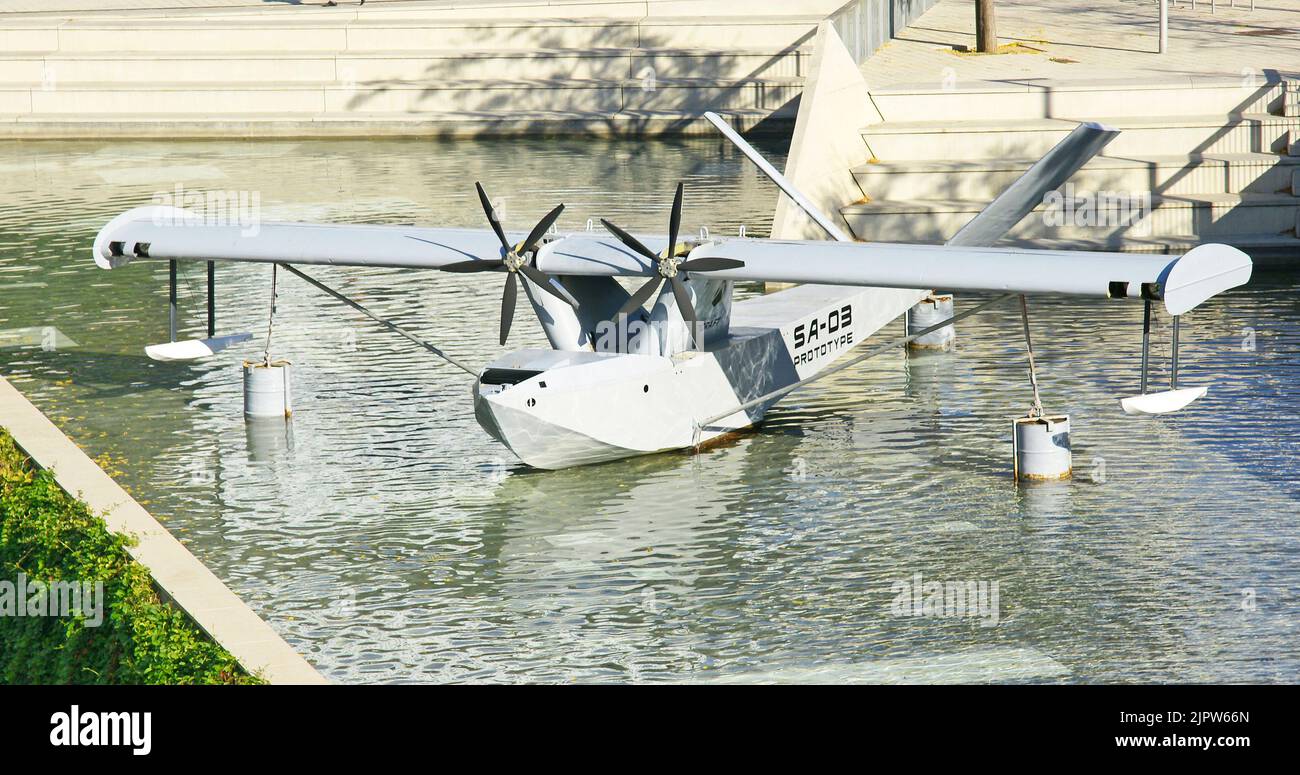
[{"x": 48, "y": 536}]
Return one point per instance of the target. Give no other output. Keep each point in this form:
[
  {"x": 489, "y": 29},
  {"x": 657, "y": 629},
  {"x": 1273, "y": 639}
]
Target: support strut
[
  {"x": 1146, "y": 341},
  {"x": 171, "y": 300},
  {"x": 212, "y": 299},
  {"x": 1173, "y": 366}
]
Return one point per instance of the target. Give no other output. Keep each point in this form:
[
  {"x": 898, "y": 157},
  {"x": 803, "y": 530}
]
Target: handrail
[
  {"x": 866, "y": 25},
  {"x": 1164, "y": 18}
]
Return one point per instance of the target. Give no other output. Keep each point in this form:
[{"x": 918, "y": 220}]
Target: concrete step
[
  {"x": 1202, "y": 215},
  {"x": 362, "y": 67},
  {"x": 359, "y": 124},
  {"x": 333, "y": 33},
  {"x": 1080, "y": 100},
  {"x": 425, "y": 96},
  {"x": 991, "y": 139},
  {"x": 1227, "y": 173}
]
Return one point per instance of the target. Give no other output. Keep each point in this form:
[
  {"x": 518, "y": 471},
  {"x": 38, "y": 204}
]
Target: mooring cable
[
  {"x": 270, "y": 318},
  {"x": 886, "y": 347},
  {"x": 385, "y": 323},
  {"x": 1037, "y": 409}
]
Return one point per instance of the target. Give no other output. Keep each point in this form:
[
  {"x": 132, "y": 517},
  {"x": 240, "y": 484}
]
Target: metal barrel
[
  {"x": 1042, "y": 448},
  {"x": 267, "y": 391}
]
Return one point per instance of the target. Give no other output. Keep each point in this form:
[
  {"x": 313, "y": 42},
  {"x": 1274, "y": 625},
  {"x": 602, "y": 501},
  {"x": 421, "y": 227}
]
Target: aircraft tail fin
[{"x": 1021, "y": 197}]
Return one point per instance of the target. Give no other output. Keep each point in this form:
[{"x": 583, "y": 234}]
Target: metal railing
[
  {"x": 866, "y": 25},
  {"x": 1214, "y": 4},
  {"x": 1164, "y": 17}
]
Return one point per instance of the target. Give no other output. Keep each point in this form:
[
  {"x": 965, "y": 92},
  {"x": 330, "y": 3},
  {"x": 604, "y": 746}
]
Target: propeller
[
  {"x": 519, "y": 258},
  {"x": 669, "y": 264}
]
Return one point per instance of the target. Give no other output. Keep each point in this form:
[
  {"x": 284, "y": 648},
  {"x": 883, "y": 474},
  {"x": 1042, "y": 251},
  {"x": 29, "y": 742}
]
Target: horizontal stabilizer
[{"x": 1027, "y": 192}]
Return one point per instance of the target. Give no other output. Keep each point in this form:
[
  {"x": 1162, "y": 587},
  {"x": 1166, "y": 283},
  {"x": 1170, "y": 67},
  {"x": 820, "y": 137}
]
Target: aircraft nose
[{"x": 485, "y": 405}]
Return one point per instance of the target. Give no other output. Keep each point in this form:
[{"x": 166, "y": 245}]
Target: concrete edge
[
  {"x": 455, "y": 126},
  {"x": 1036, "y": 85},
  {"x": 178, "y": 573}
]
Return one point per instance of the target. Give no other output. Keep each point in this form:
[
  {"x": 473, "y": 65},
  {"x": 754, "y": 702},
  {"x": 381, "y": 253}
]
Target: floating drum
[
  {"x": 1041, "y": 446},
  {"x": 266, "y": 389},
  {"x": 933, "y": 309}
]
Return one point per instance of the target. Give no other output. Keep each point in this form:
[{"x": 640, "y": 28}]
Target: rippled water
[{"x": 389, "y": 539}]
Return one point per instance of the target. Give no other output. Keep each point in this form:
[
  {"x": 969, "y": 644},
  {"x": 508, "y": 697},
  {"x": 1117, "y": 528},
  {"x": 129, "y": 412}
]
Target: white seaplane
[{"x": 622, "y": 380}]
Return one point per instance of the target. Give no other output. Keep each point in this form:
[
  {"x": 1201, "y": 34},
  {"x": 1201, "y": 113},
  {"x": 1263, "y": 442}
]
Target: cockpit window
[{"x": 506, "y": 376}]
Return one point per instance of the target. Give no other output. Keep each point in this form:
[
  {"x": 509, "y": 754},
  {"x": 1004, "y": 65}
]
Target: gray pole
[
  {"x": 1164, "y": 26},
  {"x": 171, "y": 300},
  {"x": 1173, "y": 369},
  {"x": 1146, "y": 340},
  {"x": 212, "y": 299}
]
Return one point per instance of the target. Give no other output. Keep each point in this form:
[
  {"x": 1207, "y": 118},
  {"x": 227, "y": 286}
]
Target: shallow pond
[{"x": 389, "y": 539}]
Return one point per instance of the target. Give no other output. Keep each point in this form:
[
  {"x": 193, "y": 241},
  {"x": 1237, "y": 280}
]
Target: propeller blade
[
  {"x": 685, "y": 304},
  {"x": 675, "y": 220},
  {"x": 710, "y": 264},
  {"x": 475, "y": 265},
  {"x": 629, "y": 240},
  {"x": 491, "y": 214},
  {"x": 642, "y": 295},
  {"x": 508, "y": 306},
  {"x": 540, "y": 229},
  {"x": 548, "y": 284},
  {"x": 684, "y": 300}
]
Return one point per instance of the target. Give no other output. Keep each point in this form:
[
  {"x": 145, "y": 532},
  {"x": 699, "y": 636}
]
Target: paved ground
[{"x": 1100, "y": 39}]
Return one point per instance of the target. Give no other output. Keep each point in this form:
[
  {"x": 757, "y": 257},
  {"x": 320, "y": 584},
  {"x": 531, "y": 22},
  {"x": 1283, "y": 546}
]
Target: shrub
[{"x": 49, "y": 536}]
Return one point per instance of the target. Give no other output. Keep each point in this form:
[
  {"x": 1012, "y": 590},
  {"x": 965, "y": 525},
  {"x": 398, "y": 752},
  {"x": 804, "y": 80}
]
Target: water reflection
[{"x": 388, "y": 538}]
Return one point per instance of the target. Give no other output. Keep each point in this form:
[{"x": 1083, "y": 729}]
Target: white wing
[
  {"x": 160, "y": 232},
  {"x": 1183, "y": 282}
]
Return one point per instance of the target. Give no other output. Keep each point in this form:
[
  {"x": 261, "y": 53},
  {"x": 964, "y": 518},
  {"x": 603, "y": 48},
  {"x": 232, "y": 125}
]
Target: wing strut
[
  {"x": 1167, "y": 401},
  {"x": 381, "y": 321},
  {"x": 190, "y": 349},
  {"x": 212, "y": 299}
]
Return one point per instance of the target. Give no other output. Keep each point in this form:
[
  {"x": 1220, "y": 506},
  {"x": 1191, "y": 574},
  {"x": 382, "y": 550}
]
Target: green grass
[{"x": 47, "y": 535}]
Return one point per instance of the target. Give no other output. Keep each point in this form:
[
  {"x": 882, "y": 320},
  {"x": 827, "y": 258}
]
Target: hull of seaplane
[{"x": 556, "y": 409}]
